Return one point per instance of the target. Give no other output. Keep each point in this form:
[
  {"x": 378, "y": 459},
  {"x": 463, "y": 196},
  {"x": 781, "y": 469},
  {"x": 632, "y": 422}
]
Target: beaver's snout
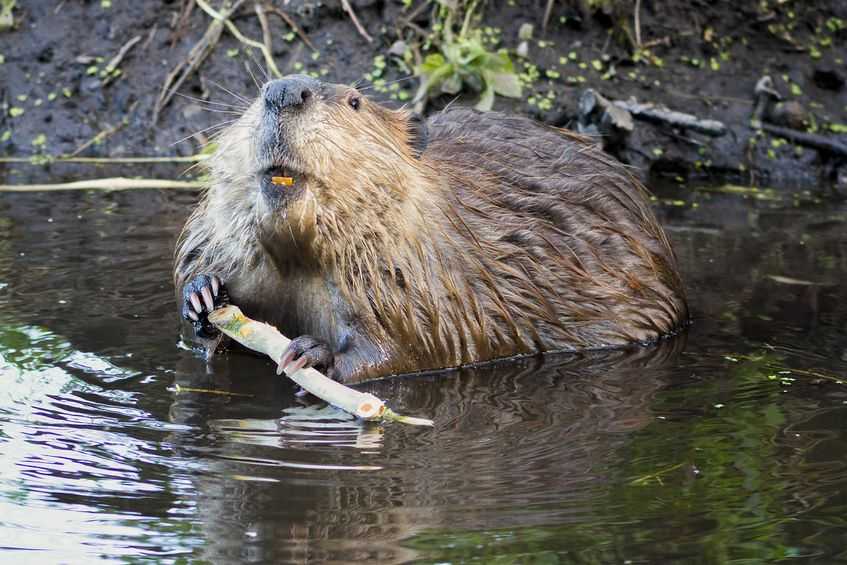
[{"x": 289, "y": 92}]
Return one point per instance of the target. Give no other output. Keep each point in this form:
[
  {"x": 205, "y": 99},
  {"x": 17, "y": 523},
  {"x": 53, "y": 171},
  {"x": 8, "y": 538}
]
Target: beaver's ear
[{"x": 418, "y": 134}]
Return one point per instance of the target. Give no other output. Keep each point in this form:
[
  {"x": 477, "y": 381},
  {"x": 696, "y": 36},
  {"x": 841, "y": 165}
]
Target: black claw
[{"x": 201, "y": 292}]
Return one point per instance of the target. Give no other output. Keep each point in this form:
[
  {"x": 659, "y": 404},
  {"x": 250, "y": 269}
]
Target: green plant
[
  {"x": 464, "y": 61},
  {"x": 7, "y": 20}
]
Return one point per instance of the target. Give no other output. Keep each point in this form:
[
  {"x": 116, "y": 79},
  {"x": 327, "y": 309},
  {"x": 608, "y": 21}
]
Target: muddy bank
[{"x": 60, "y": 96}]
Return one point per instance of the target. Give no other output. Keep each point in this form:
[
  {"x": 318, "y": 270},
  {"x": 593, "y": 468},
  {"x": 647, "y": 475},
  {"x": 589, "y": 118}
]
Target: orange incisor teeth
[{"x": 282, "y": 181}]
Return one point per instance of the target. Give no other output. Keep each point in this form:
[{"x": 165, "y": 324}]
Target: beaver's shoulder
[
  {"x": 524, "y": 165},
  {"x": 467, "y": 123}
]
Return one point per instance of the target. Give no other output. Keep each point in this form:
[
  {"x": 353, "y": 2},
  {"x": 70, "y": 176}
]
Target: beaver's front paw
[
  {"x": 202, "y": 295},
  {"x": 308, "y": 351}
]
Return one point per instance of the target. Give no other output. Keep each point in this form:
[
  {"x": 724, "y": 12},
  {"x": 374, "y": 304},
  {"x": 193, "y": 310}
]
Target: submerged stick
[
  {"x": 115, "y": 183},
  {"x": 40, "y": 160},
  {"x": 266, "y": 339}
]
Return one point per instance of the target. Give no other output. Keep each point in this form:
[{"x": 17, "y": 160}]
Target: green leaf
[
  {"x": 431, "y": 63},
  {"x": 486, "y": 101},
  {"x": 505, "y": 84},
  {"x": 500, "y": 63},
  {"x": 433, "y": 79}
]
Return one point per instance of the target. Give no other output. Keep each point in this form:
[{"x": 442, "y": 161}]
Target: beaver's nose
[{"x": 289, "y": 92}]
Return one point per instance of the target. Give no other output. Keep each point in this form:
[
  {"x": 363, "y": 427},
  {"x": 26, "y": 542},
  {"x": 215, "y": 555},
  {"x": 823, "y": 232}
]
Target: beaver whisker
[
  {"x": 241, "y": 107},
  {"x": 204, "y": 130},
  {"x": 231, "y": 93},
  {"x": 249, "y": 68},
  {"x": 387, "y": 83}
]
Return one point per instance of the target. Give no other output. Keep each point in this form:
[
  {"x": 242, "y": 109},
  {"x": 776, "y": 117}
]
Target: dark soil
[{"x": 705, "y": 58}]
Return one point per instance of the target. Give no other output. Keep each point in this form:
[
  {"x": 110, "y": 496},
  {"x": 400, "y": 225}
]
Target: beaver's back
[{"x": 564, "y": 230}]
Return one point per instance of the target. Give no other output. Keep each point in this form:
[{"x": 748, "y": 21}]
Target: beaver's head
[
  {"x": 306, "y": 148},
  {"x": 309, "y": 161}
]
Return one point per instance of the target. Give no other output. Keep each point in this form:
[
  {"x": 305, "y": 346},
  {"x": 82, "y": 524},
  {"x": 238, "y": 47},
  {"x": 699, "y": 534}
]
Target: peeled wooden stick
[
  {"x": 266, "y": 339},
  {"x": 114, "y": 183}
]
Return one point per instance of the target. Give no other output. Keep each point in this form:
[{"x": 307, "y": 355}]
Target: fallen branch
[
  {"x": 266, "y": 339},
  {"x": 816, "y": 141},
  {"x": 661, "y": 114},
  {"x": 115, "y": 183}
]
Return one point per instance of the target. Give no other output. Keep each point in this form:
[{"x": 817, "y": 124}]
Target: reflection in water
[
  {"x": 729, "y": 447},
  {"x": 515, "y": 445}
]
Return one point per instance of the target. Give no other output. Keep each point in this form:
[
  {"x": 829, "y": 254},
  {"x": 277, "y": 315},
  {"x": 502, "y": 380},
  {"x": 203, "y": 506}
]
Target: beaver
[{"x": 398, "y": 244}]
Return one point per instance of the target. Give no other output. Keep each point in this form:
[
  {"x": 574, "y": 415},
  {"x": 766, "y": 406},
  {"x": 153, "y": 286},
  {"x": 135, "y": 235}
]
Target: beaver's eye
[{"x": 354, "y": 102}]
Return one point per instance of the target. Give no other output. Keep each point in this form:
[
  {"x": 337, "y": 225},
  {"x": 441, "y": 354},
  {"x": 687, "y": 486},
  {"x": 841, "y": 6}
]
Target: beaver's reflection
[{"x": 517, "y": 443}]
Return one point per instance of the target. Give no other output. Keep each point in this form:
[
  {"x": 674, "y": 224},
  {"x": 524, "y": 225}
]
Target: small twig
[
  {"x": 417, "y": 29},
  {"x": 182, "y": 22},
  {"x": 666, "y": 41},
  {"x": 269, "y": 59},
  {"x": 266, "y": 30},
  {"x": 414, "y": 13},
  {"x": 191, "y": 63},
  {"x": 98, "y": 138},
  {"x": 115, "y": 183},
  {"x": 150, "y": 37},
  {"x": 116, "y": 60},
  {"x": 657, "y": 476},
  {"x": 466, "y": 24},
  {"x": 349, "y": 9},
  {"x": 638, "y": 23},
  {"x": 178, "y": 389},
  {"x": 291, "y": 23},
  {"x": 548, "y": 11},
  {"x": 606, "y": 43}
]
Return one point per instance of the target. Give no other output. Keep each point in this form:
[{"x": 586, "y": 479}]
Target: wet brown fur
[{"x": 503, "y": 237}]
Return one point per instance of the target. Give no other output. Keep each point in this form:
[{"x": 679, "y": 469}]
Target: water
[{"x": 726, "y": 445}]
